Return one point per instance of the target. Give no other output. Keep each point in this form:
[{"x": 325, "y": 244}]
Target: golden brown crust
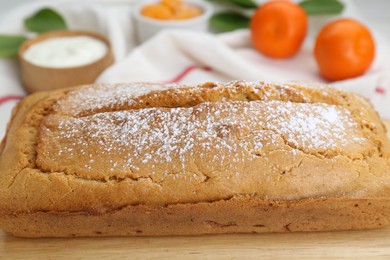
[
  {"x": 240, "y": 215},
  {"x": 91, "y": 150}
]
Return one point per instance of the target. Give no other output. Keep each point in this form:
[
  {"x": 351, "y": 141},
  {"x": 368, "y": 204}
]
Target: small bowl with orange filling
[{"x": 152, "y": 16}]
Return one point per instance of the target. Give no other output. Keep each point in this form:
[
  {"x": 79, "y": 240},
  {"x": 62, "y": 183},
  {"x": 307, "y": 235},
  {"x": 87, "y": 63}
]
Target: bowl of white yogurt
[{"x": 63, "y": 59}]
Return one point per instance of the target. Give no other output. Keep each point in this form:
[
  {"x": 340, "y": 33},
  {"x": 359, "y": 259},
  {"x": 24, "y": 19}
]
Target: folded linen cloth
[{"x": 185, "y": 56}]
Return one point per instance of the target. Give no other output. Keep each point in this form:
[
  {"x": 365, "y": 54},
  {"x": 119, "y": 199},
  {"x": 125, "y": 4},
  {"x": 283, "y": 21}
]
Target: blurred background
[
  {"x": 187, "y": 57},
  {"x": 376, "y": 12}
]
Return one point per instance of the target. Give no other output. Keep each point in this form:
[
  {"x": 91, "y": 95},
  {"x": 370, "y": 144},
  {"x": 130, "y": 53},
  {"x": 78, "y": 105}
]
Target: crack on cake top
[
  {"x": 139, "y": 141},
  {"x": 108, "y": 98}
]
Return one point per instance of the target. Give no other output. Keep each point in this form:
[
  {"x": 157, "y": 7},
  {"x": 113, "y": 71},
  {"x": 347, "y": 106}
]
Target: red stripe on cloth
[
  {"x": 380, "y": 90},
  {"x": 6, "y": 99},
  {"x": 185, "y": 72}
]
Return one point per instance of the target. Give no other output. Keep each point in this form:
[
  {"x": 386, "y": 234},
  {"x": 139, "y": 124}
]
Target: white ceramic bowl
[{"x": 147, "y": 27}]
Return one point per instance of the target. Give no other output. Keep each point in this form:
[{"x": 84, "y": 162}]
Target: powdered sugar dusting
[
  {"x": 98, "y": 98},
  {"x": 227, "y": 133},
  {"x": 93, "y": 98},
  {"x": 310, "y": 84}
]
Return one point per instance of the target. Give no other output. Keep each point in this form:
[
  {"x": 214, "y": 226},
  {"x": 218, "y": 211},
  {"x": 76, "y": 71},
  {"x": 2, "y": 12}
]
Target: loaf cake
[{"x": 147, "y": 159}]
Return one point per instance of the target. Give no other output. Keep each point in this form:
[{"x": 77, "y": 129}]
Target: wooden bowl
[{"x": 38, "y": 78}]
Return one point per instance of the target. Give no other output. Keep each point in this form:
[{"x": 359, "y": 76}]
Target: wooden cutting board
[{"x": 366, "y": 243}]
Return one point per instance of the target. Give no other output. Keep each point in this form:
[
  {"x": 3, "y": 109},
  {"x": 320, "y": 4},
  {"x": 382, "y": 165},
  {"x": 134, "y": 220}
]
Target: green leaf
[
  {"x": 241, "y": 3},
  {"x": 9, "y": 45},
  {"x": 45, "y": 20},
  {"x": 228, "y": 21},
  {"x": 318, "y": 7}
]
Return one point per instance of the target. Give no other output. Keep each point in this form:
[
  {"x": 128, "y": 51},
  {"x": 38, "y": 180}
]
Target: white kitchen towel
[{"x": 184, "y": 56}]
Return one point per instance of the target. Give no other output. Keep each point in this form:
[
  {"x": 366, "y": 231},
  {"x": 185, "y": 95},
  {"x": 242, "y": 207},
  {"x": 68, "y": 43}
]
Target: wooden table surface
[{"x": 366, "y": 243}]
